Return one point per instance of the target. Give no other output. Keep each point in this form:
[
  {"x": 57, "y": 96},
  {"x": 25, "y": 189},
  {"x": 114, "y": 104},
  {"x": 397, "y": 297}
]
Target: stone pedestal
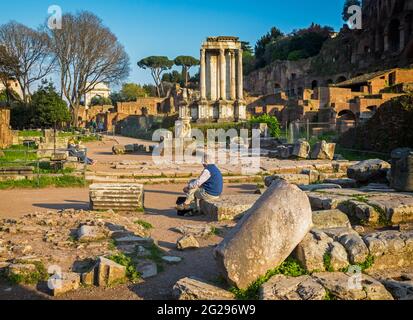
[{"x": 116, "y": 196}]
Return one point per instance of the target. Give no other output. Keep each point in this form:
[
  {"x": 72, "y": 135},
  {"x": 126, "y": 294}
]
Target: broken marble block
[
  {"x": 390, "y": 249},
  {"x": 116, "y": 196},
  {"x": 90, "y": 233},
  {"x": 301, "y": 149},
  {"x": 147, "y": 269},
  {"x": 372, "y": 170},
  {"x": 228, "y": 207},
  {"x": 64, "y": 283},
  {"x": 196, "y": 289},
  {"x": 316, "y": 247},
  {"x": 323, "y": 151},
  {"x": 327, "y": 219},
  {"x": 282, "y": 287},
  {"x": 108, "y": 273},
  {"x": 187, "y": 242},
  {"x": 352, "y": 287}
]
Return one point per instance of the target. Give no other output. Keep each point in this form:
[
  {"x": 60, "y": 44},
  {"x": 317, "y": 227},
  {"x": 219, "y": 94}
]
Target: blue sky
[{"x": 178, "y": 27}]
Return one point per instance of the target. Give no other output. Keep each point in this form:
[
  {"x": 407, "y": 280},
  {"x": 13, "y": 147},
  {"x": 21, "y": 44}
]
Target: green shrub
[
  {"x": 131, "y": 273},
  {"x": 32, "y": 278},
  {"x": 272, "y": 122},
  {"x": 289, "y": 267},
  {"x": 146, "y": 225}
]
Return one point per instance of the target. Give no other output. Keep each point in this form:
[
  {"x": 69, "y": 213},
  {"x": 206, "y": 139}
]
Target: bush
[
  {"x": 272, "y": 122},
  {"x": 100, "y": 101}
]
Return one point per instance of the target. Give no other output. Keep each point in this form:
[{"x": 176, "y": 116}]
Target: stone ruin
[
  {"x": 6, "y": 136},
  {"x": 116, "y": 196}
]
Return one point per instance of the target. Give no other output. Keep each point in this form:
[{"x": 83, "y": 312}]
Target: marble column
[
  {"x": 233, "y": 76},
  {"x": 203, "y": 75},
  {"x": 240, "y": 80},
  {"x": 223, "y": 75}
]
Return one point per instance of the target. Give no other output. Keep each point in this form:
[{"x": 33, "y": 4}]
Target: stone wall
[
  {"x": 143, "y": 106},
  {"x": 6, "y": 136}
]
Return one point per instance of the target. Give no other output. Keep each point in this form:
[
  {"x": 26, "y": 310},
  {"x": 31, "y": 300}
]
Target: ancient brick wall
[
  {"x": 6, "y": 137},
  {"x": 142, "y": 105}
]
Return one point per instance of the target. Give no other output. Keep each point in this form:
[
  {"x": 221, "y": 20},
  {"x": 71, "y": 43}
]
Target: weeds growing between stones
[{"x": 290, "y": 268}]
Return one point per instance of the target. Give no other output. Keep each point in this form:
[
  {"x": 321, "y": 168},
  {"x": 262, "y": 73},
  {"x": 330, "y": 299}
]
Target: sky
[{"x": 178, "y": 27}]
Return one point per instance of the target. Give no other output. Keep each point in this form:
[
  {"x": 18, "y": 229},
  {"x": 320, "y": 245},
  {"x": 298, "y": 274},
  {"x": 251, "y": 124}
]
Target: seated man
[
  {"x": 74, "y": 151},
  {"x": 208, "y": 186}
]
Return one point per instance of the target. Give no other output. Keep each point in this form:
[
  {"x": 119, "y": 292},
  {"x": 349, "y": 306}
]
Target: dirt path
[{"x": 159, "y": 204}]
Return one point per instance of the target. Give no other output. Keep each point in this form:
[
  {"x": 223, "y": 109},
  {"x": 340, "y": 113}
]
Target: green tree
[
  {"x": 247, "y": 57},
  {"x": 50, "y": 110},
  {"x": 100, "y": 101},
  {"x": 186, "y": 62},
  {"x": 261, "y": 45},
  {"x": 132, "y": 91},
  {"x": 157, "y": 65},
  {"x": 174, "y": 77},
  {"x": 9, "y": 66},
  {"x": 346, "y": 16}
]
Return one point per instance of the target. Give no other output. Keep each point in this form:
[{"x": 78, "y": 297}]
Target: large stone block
[
  {"x": 346, "y": 287},
  {"x": 281, "y": 287},
  {"x": 228, "y": 207},
  {"x": 195, "y": 289},
  {"x": 330, "y": 219},
  {"x": 301, "y": 149},
  {"x": 390, "y": 249},
  {"x": 323, "y": 151},
  {"x": 64, "y": 283},
  {"x": 108, "y": 273},
  {"x": 116, "y": 196},
  {"x": 266, "y": 235},
  {"x": 294, "y": 178},
  {"x": 369, "y": 171}
]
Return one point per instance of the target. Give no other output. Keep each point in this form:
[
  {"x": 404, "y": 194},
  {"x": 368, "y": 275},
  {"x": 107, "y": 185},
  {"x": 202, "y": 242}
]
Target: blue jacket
[{"x": 215, "y": 185}]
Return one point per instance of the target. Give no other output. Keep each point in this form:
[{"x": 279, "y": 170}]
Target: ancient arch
[
  {"x": 347, "y": 115},
  {"x": 314, "y": 84},
  {"x": 394, "y": 35}
]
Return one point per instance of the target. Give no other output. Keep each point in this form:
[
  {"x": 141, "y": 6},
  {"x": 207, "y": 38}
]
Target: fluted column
[
  {"x": 222, "y": 77},
  {"x": 240, "y": 79},
  {"x": 233, "y": 77},
  {"x": 203, "y": 75}
]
